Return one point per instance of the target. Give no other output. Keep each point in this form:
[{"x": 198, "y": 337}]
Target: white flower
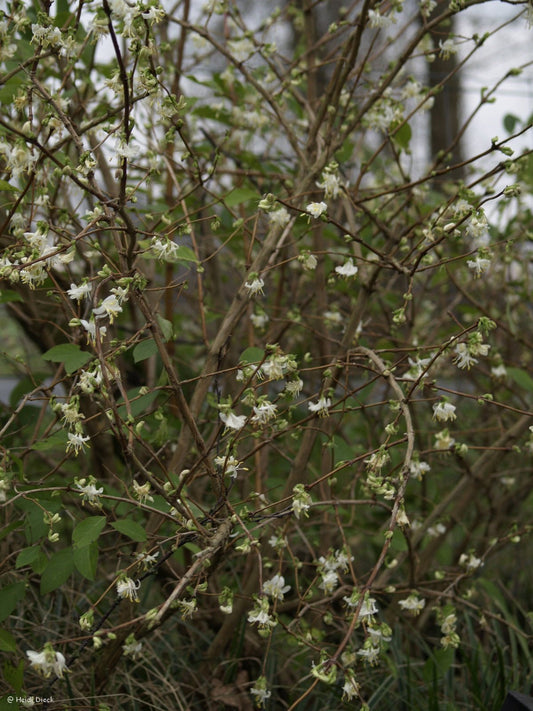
[
  {"x": 232, "y": 421},
  {"x": 427, "y": 7},
  {"x": 90, "y": 379},
  {"x": 351, "y": 688},
  {"x": 370, "y": 654},
  {"x": 127, "y": 588},
  {"x": 275, "y": 587},
  {"x": 277, "y": 542},
  {"x": 260, "y": 691},
  {"x": 443, "y": 440},
  {"x": 477, "y": 227},
  {"x": 132, "y": 648},
  {"x": 259, "y": 320},
  {"x": 154, "y": 13},
  {"x": 255, "y": 286},
  {"x": 447, "y": 48},
  {"x": 479, "y": 265},
  {"x": 321, "y": 407},
  {"x": 90, "y": 327},
  {"x": 264, "y": 412},
  {"x": 146, "y": 559},
  {"x": 381, "y": 633},
  {"x": 241, "y": 49},
  {"x": 444, "y": 411},
  {"x": 308, "y": 261},
  {"x": 110, "y": 307},
  {"x": 436, "y": 530},
  {"x": 329, "y": 582},
  {"x": 76, "y": 442},
  {"x": 413, "y": 604},
  {"x": 463, "y": 359},
  {"x": 348, "y": 269},
  {"x": 229, "y": 465},
  {"x": 368, "y": 607},
  {"x": 330, "y": 184},
  {"x": 294, "y": 387},
  {"x": 89, "y": 491},
  {"x": 417, "y": 469},
  {"x": 315, "y": 209},
  {"x": 47, "y": 662},
  {"x": 260, "y": 614},
  {"x": 126, "y": 150},
  {"x": 377, "y": 460},
  {"x": 4, "y": 488},
  {"x": 187, "y": 607},
  {"x": 301, "y": 500},
  {"x": 498, "y": 371},
  {"x": 417, "y": 368},
  {"x": 164, "y": 249},
  {"x": 402, "y": 519},
  {"x": 142, "y": 492},
  {"x": 70, "y": 412},
  {"x": 333, "y": 317},
  {"x": 79, "y": 292},
  {"x": 470, "y": 562},
  {"x": 279, "y": 217},
  {"x": 39, "y": 662},
  {"x": 377, "y": 20}
]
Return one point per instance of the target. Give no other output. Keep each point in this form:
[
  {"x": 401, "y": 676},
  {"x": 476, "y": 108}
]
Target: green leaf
[
  {"x": 57, "y": 440},
  {"x": 88, "y": 531},
  {"x": 4, "y": 185},
  {"x": 345, "y": 152},
  {"x": 167, "y": 329},
  {"x": 27, "y": 556},
  {"x": 131, "y": 529},
  {"x": 438, "y": 664},
  {"x": 59, "y": 569},
  {"x": 10, "y": 527},
  {"x": 185, "y": 254},
  {"x": 7, "y": 703},
  {"x": 398, "y": 542},
  {"x": 144, "y": 350},
  {"x": 240, "y": 195},
  {"x": 62, "y": 13},
  {"x": 138, "y": 403},
  {"x": 521, "y": 378},
  {"x": 7, "y": 642},
  {"x": 402, "y": 137},
  {"x": 25, "y": 386},
  {"x": 509, "y": 122},
  {"x": 8, "y": 295},
  {"x": 10, "y": 596},
  {"x": 86, "y": 559},
  {"x": 69, "y": 354},
  {"x": 14, "y": 675},
  {"x": 10, "y": 89},
  {"x": 252, "y": 355}
]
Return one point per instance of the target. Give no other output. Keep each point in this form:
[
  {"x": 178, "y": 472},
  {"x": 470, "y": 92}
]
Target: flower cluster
[
  {"x": 444, "y": 411},
  {"x": 48, "y": 661},
  {"x": 447, "y": 620},
  {"x": 127, "y": 589},
  {"x": 328, "y": 569},
  {"x": 301, "y": 500},
  {"x": 275, "y": 587},
  {"x": 260, "y": 614},
  {"x": 89, "y": 492},
  {"x": 413, "y": 604}
]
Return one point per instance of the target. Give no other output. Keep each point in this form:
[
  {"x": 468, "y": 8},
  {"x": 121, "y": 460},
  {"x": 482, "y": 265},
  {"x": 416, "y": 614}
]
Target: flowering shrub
[{"x": 270, "y": 441}]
